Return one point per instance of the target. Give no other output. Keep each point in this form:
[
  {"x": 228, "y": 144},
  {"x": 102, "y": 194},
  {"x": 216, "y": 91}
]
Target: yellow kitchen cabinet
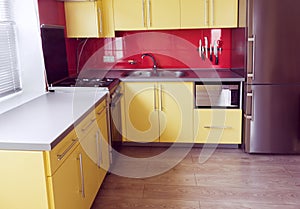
[
  {"x": 194, "y": 13},
  {"x": 163, "y": 14},
  {"x": 218, "y": 126},
  {"x": 141, "y": 112},
  {"x": 146, "y": 14},
  {"x": 209, "y": 13},
  {"x": 176, "y": 111},
  {"x": 67, "y": 185},
  {"x": 104, "y": 144},
  {"x": 242, "y": 13},
  {"x": 129, "y": 14},
  {"x": 86, "y": 19},
  {"x": 223, "y": 13},
  {"x": 158, "y": 111},
  {"x": 68, "y": 176},
  {"x": 23, "y": 180}
]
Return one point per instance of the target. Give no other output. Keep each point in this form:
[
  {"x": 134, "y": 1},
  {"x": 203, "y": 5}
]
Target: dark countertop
[{"x": 191, "y": 75}]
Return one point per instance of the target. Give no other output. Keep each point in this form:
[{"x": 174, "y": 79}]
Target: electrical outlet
[{"x": 108, "y": 59}]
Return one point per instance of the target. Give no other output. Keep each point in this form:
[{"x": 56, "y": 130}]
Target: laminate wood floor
[{"x": 228, "y": 179}]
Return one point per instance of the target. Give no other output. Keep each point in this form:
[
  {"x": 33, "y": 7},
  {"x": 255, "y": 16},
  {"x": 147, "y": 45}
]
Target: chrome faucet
[{"x": 153, "y": 60}]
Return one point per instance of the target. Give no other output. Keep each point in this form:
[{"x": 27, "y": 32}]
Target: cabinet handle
[
  {"x": 205, "y": 12},
  {"x": 81, "y": 175},
  {"x": 149, "y": 13},
  {"x": 62, "y": 155},
  {"x": 154, "y": 93},
  {"x": 101, "y": 111},
  {"x": 218, "y": 127},
  {"x": 98, "y": 148},
  {"x": 88, "y": 125},
  {"x": 100, "y": 20},
  {"x": 143, "y": 2},
  {"x": 161, "y": 98},
  {"x": 252, "y": 39},
  {"x": 212, "y": 12}
]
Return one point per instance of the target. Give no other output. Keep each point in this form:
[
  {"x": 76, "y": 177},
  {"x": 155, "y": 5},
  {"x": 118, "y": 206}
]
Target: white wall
[{"x": 31, "y": 56}]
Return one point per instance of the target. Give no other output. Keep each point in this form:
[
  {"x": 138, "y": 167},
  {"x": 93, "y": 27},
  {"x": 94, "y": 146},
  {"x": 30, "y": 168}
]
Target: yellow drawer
[
  {"x": 100, "y": 108},
  {"x": 86, "y": 125},
  {"x": 60, "y": 153},
  {"x": 218, "y": 126}
]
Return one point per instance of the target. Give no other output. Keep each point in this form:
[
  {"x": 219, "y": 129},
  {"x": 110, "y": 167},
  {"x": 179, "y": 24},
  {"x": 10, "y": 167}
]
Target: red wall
[{"x": 172, "y": 48}]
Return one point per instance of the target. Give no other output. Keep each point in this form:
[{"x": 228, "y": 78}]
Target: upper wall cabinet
[
  {"x": 146, "y": 14},
  {"x": 209, "y": 13},
  {"x": 223, "y": 13},
  {"x": 89, "y": 19}
]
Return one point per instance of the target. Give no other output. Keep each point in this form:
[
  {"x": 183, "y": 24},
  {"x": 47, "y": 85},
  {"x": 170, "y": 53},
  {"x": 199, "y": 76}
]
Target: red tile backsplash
[{"x": 171, "y": 48}]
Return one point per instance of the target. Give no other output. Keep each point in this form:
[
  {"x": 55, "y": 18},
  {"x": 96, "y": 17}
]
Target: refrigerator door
[
  {"x": 272, "y": 119},
  {"x": 273, "y": 45}
]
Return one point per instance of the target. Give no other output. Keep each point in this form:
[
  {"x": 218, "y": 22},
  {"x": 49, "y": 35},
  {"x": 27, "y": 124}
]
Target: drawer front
[
  {"x": 84, "y": 127},
  {"x": 60, "y": 153},
  {"x": 218, "y": 126}
]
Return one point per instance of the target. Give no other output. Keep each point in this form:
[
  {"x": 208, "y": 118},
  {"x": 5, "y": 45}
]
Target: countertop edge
[{"x": 46, "y": 146}]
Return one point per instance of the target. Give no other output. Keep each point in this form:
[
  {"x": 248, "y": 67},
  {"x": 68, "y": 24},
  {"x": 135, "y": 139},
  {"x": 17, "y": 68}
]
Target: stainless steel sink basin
[
  {"x": 171, "y": 73},
  {"x": 141, "y": 73},
  {"x": 160, "y": 73}
]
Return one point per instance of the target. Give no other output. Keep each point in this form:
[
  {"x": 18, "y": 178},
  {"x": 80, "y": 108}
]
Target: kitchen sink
[
  {"x": 160, "y": 73},
  {"x": 171, "y": 73},
  {"x": 141, "y": 73}
]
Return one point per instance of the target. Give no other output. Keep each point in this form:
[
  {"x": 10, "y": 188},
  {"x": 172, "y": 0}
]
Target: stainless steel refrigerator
[{"x": 272, "y": 87}]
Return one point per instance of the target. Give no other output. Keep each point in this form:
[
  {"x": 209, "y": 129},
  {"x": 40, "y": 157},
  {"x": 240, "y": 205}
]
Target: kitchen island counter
[{"x": 41, "y": 123}]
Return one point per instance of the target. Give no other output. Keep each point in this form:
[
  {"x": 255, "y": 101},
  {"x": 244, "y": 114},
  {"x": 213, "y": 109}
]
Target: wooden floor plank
[
  {"x": 136, "y": 203},
  {"x": 229, "y": 178}
]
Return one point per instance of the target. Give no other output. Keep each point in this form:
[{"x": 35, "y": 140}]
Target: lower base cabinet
[
  {"x": 75, "y": 183},
  {"x": 68, "y": 176},
  {"x": 218, "y": 126}
]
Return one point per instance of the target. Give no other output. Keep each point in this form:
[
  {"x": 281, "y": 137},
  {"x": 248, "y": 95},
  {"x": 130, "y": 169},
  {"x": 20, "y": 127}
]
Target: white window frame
[
  {"x": 10, "y": 78},
  {"x": 31, "y": 61}
]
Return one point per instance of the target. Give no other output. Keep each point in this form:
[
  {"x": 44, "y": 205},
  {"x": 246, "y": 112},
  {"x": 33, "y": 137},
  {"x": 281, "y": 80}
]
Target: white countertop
[{"x": 40, "y": 123}]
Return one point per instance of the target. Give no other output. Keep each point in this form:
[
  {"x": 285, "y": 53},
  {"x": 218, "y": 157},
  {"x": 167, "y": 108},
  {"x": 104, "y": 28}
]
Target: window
[{"x": 10, "y": 81}]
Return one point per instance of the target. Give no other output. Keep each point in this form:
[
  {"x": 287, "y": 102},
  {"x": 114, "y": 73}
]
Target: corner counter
[{"x": 41, "y": 123}]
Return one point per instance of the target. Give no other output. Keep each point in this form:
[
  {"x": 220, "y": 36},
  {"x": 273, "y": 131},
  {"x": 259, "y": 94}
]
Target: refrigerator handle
[
  {"x": 250, "y": 116},
  {"x": 251, "y": 74}
]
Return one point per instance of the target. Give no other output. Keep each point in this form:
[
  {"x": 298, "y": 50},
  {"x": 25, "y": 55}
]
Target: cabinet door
[
  {"x": 194, "y": 13},
  {"x": 141, "y": 111},
  {"x": 176, "y": 111},
  {"x": 108, "y": 28},
  {"x": 218, "y": 126},
  {"x": 163, "y": 14},
  {"x": 23, "y": 182},
  {"x": 74, "y": 183},
  {"x": 82, "y": 19},
  {"x": 89, "y": 19},
  {"x": 91, "y": 179},
  {"x": 129, "y": 14},
  {"x": 104, "y": 143},
  {"x": 66, "y": 184},
  {"x": 223, "y": 13}
]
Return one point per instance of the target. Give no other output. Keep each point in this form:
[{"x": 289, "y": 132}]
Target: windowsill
[{"x": 16, "y": 100}]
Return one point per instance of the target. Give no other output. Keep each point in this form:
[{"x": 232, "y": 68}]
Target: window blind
[{"x": 10, "y": 81}]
